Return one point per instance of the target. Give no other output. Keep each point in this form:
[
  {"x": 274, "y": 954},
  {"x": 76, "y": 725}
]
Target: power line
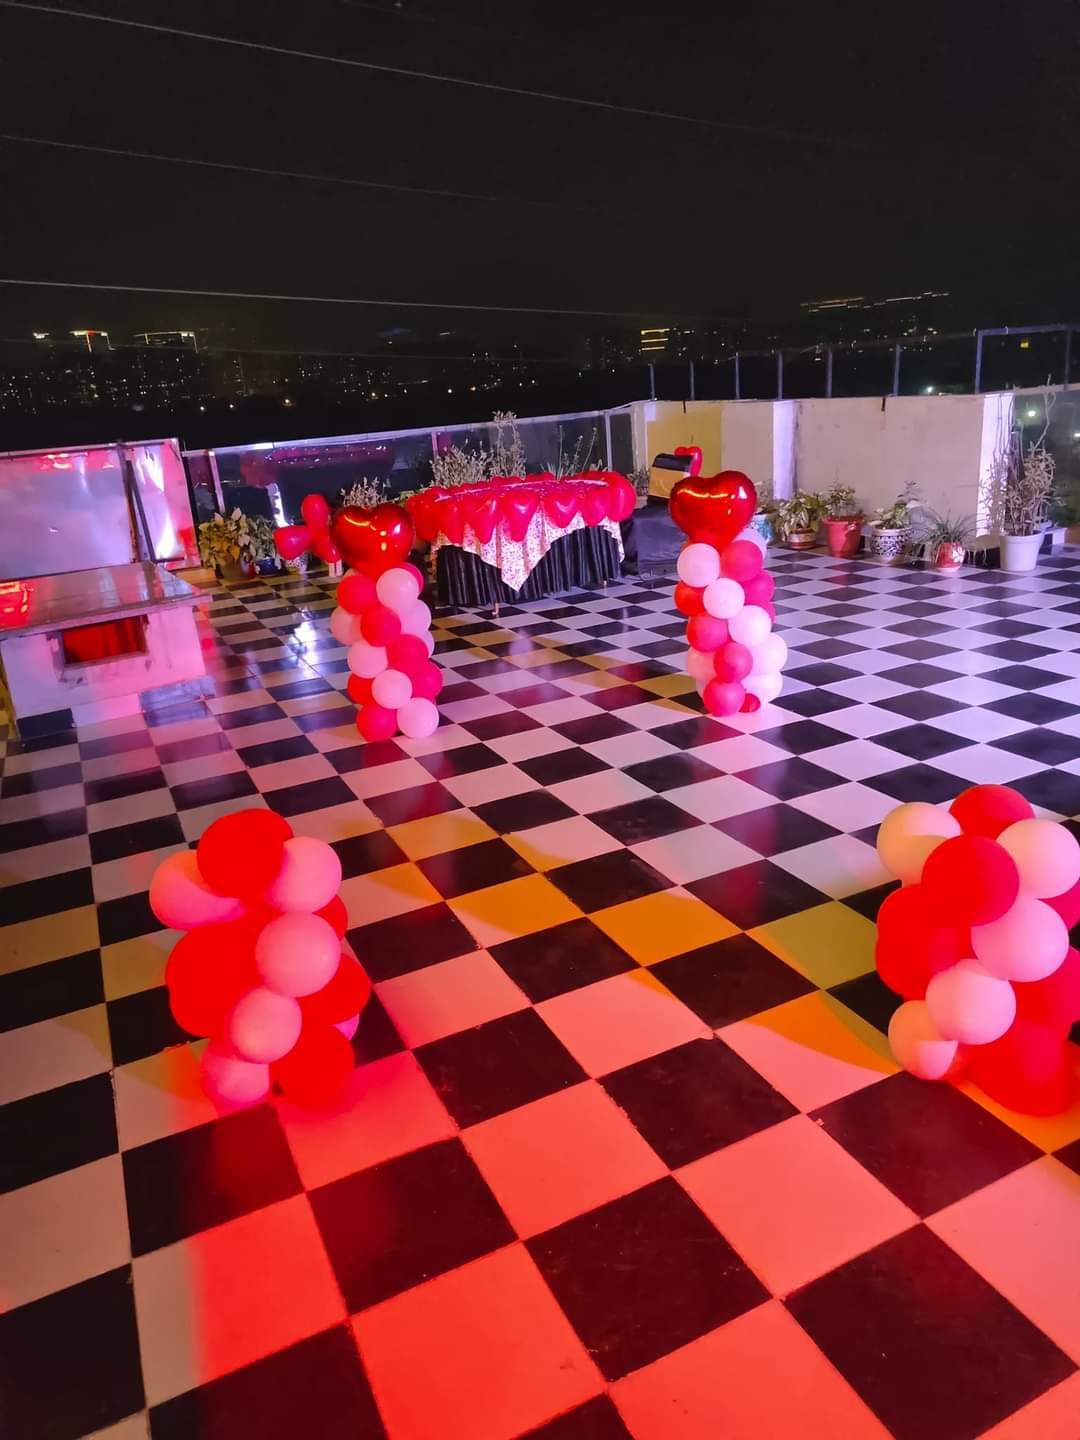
[
  {"x": 392, "y": 356},
  {"x": 303, "y": 175},
  {"x": 329, "y": 299},
  {"x": 583, "y": 102}
]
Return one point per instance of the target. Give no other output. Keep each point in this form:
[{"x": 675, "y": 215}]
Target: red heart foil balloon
[
  {"x": 324, "y": 547},
  {"x": 291, "y": 540},
  {"x": 481, "y": 512},
  {"x": 694, "y": 451},
  {"x": 561, "y": 504},
  {"x": 451, "y": 519},
  {"x": 424, "y": 511},
  {"x": 316, "y": 511},
  {"x": 714, "y": 508},
  {"x": 517, "y": 507},
  {"x": 380, "y": 537},
  {"x": 595, "y": 504}
]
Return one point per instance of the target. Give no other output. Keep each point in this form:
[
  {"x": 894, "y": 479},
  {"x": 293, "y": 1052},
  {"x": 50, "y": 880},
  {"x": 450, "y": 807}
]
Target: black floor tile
[
  {"x": 605, "y": 880},
  {"x": 564, "y": 957},
  {"x": 141, "y": 1024},
  {"x": 731, "y": 980},
  {"x": 756, "y": 894},
  {"x": 641, "y": 820},
  {"x": 312, "y": 795},
  {"x": 56, "y": 1130},
  {"x": 39, "y": 992},
  {"x": 773, "y": 829},
  {"x": 409, "y": 942},
  {"x": 213, "y": 790}
]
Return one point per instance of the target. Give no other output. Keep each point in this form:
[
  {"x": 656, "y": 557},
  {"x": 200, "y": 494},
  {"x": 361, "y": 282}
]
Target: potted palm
[
  {"x": 842, "y": 521},
  {"x": 796, "y": 520},
  {"x": 944, "y": 540},
  {"x": 890, "y": 527},
  {"x": 1028, "y": 485}
]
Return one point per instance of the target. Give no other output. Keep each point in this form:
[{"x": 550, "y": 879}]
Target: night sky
[{"x": 852, "y": 148}]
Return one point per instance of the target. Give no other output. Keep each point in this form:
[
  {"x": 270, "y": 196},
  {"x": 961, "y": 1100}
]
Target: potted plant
[
  {"x": 796, "y": 519},
  {"x": 225, "y": 542},
  {"x": 843, "y": 520},
  {"x": 944, "y": 540},
  {"x": 639, "y": 478},
  {"x": 262, "y": 555},
  {"x": 890, "y": 527},
  {"x": 1027, "y": 484}
]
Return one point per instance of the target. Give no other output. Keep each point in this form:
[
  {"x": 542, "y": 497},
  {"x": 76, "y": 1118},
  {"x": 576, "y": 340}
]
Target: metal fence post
[
  {"x": 607, "y": 437},
  {"x": 828, "y": 374},
  {"x": 896, "y": 370},
  {"x": 652, "y": 381},
  {"x": 1068, "y": 354},
  {"x": 779, "y": 374},
  {"x": 693, "y": 382},
  {"x": 978, "y": 360}
]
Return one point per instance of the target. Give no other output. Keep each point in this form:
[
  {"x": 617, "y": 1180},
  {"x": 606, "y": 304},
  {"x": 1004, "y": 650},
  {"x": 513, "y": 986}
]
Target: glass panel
[{"x": 62, "y": 512}]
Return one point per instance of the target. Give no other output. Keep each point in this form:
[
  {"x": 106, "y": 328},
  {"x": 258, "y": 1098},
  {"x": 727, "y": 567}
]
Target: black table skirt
[{"x": 581, "y": 560}]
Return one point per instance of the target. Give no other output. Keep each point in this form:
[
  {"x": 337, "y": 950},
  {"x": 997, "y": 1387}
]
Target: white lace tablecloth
[{"x": 515, "y": 560}]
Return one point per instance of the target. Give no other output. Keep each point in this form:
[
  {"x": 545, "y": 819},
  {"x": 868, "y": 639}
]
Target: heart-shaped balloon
[
  {"x": 451, "y": 519},
  {"x": 595, "y": 504},
  {"x": 713, "y": 508},
  {"x": 622, "y": 497},
  {"x": 481, "y": 512},
  {"x": 316, "y": 511},
  {"x": 292, "y": 540},
  {"x": 561, "y": 504},
  {"x": 517, "y": 505},
  {"x": 694, "y": 451},
  {"x": 377, "y": 538},
  {"x": 424, "y": 511}
]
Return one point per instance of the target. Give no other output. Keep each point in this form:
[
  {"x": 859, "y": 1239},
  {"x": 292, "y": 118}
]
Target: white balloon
[
  {"x": 909, "y": 833},
  {"x": 755, "y": 537},
  {"x": 418, "y": 718},
  {"x": 366, "y": 660},
  {"x": 765, "y": 687},
  {"x": 345, "y": 627},
  {"x": 181, "y": 898},
  {"x": 724, "y": 598},
  {"x": 1046, "y": 855},
  {"x": 429, "y": 641},
  {"x": 770, "y": 654},
  {"x": 917, "y": 1043},
  {"x": 700, "y": 664},
  {"x": 227, "y": 1078},
  {"x": 750, "y": 625},
  {"x": 391, "y": 689},
  {"x": 1029, "y": 942},
  {"x": 297, "y": 954},
  {"x": 264, "y": 1026},
  {"x": 415, "y": 618},
  {"x": 699, "y": 564},
  {"x": 309, "y": 878},
  {"x": 968, "y": 1004},
  {"x": 397, "y": 587}
]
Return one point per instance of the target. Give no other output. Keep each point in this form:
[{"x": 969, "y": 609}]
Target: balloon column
[
  {"x": 726, "y": 594},
  {"x": 261, "y": 970},
  {"x": 976, "y": 941},
  {"x": 379, "y": 616}
]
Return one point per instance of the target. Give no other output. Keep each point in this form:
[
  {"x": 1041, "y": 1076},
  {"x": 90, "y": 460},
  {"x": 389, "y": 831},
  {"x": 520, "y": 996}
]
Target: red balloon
[
  {"x": 381, "y": 536},
  {"x": 452, "y": 520},
  {"x": 723, "y": 697},
  {"x": 355, "y": 593},
  {"x": 407, "y": 653},
  {"x": 561, "y": 503},
  {"x": 291, "y": 541},
  {"x": 424, "y": 510},
  {"x": 706, "y": 632},
  {"x": 517, "y": 505},
  {"x": 688, "y": 598},
  {"x": 428, "y": 681},
  {"x": 715, "y": 509},
  {"x": 379, "y": 624},
  {"x": 336, "y": 914},
  {"x": 1028, "y": 1069},
  {"x": 694, "y": 451},
  {"x": 342, "y": 997},
  {"x": 241, "y": 853},
  {"x": 1053, "y": 1001},
  {"x": 324, "y": 547},
  {"x": 912, "y": 945},
  {"x": 622, "y": 497},
  {"x": 359, "y": 690},
  {"x": 481, "y": 512},
  {"x": 750, "y": 704},
  {"x": 595, "y": 504},
  {"x": 317, "y": 1068},
  {"x": 1067, "y": 905},
  {"x": 759, "y": 590},
  {"x": 208, "y": 971},
  {"x": 375, "y": 722},
  {"x": 741, "y": 561},
  {"x": 970, "y": 879},
  {"x": 316, "y": 511},
  {"x": 989, "y": 809},
  {"x": 733, "y": 661}
]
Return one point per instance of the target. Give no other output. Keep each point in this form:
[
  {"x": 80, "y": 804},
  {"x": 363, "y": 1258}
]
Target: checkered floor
[{"x": 625, "y": 1154}]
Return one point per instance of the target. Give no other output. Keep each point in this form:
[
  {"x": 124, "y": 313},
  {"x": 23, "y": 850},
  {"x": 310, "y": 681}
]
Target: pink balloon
[
  {"x": 760, "y": 589},
  {"x": 968, "y": 1004},
  {"x": 741, "y": 561},
  {"x": 699, "y": 565},
  {"x": 309, "y": 878},
  {"x": 706, "y": 632},
  {"x": 181, "y": 898},
  {"x": 227, "y": 1078},
  {"x": 264, "y": 1026},
  {"x": 428, "y": 681},
  {"x": 723, "y": 697},
  {"x": 733, "y": 661},
  {"x": 701, "y": 664},
  {"x": 391, "y": 689},
  {"x": 348, "y": 1027},
  {"x": 418, "y": 718},
  {"x": 345, "y": 627},
  {"x": 1029, "y": 942},
  {"x": 1046, "y": 854},
  {"x": 366, "y": 660},
  {"x": 297, "y": 954},
  {"x": 397, "y": 588}
]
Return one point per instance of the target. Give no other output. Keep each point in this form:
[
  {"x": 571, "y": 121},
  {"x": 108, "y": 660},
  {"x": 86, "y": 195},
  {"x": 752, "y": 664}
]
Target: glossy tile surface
[{"x": 625, "y": 1153}]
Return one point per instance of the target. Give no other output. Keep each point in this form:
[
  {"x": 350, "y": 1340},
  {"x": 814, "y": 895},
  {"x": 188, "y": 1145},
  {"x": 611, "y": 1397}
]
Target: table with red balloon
[
  {"x": 976, "y": 942},
  {"x": 379, "y": 615},
  {"x": 261, "y": 968},
  {"x": 726, "y": 594}
]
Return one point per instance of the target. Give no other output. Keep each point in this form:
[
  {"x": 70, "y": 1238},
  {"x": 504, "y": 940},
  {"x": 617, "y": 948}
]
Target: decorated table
[{"x": 521, "y": 538}]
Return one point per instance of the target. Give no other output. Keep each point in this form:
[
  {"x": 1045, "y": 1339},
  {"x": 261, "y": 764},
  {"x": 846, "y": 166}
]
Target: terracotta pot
[
  {"x": 949, "y": 555},
  {"x": 800, "y": 539},
  {"x": 843, "y": 533}
]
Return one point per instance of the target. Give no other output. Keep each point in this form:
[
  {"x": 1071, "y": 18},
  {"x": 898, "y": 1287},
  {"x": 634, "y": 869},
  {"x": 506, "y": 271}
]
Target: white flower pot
[
  {"x": 889, "y": 545},
  {"x": 1020, "y": 552}
]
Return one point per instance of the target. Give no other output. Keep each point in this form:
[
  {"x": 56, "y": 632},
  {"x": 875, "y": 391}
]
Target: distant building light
[
  {"x": 1031, "y": 412},
  {"x": 40, "y": 334},
  {"x": 929, "y": 389},
  {"x": 203, "y": 409},
  {"x": 1025, "y": 344},
  {"x": 286, "y": 402}
]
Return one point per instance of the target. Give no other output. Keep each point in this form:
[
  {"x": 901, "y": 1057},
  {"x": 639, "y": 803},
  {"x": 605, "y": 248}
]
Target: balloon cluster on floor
[
  {"x": 726, "y": 593},
  {"x": 379, "y": 616},
  {"x": 976, "y": 941},
  {"x": 261, "y": 969}
]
